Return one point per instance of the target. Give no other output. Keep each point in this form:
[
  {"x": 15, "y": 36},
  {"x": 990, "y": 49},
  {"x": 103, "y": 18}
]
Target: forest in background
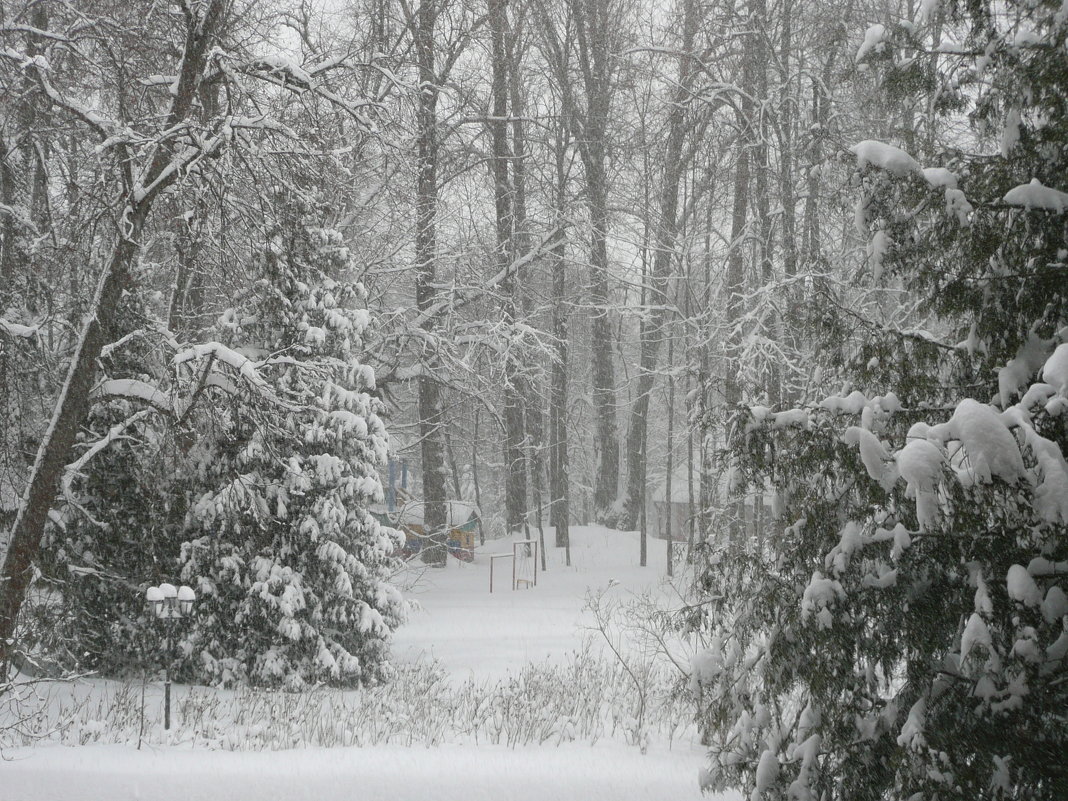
[{"x": 550, "y": 231}]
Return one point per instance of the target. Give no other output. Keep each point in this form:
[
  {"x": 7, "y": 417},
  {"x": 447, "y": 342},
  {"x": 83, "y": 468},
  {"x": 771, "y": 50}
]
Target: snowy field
[
  {"x": 477, "y": 642},
  {"x": 474, "y": 633}
]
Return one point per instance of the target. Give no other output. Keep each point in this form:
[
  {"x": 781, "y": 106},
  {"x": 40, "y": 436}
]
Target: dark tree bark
[
  {"x": 669, "y": 497},
  {"x": 593, "y": 26},
  {"x": 786, "y": 157},
  {"x": 23, "y": 174},
  {"x": 764, "y": 251},
  {"x": 474, "y": 480},
  {"x": 735, "y": 285},
  {"x": 431, "y": 419},
  {"x": 753, "y": 64},
  {"x": 559, "y": 485}
]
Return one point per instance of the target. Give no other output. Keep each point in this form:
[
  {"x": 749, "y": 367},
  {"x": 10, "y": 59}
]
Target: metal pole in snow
[{"x": 167, "y": 683}]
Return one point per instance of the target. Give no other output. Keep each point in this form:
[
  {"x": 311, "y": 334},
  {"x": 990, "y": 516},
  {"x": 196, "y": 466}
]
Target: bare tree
[
  {"x": 654, "y": 326},
  {"x": 593, "y": 28}
]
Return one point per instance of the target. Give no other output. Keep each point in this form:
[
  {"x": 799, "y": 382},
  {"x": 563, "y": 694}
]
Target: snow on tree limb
[
  {"x": 133, "y": 389},
  {"x": 873, "y": 41},
  {"x": 1037, "y": 195},
  {"x": 246, "y": 369},
  {"x": 463, "y": 297},
  {"x": 17, "y": 330},
  {"x": 240, "y": 364},
  {"x": 886, "y": 157},
  {"x": 73, "y": 470}
]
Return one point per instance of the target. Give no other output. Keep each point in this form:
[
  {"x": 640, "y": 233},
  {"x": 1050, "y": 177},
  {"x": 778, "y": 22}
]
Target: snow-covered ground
[
  {"x": 474, "y": 633},
  {"x": 474, "y": 636},
  {"x": 609, "y": 771}
]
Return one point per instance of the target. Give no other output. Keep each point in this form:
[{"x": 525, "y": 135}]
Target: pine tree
[
  {"x": 903, "y": 630},
  {"x": 292, "y": 569}
]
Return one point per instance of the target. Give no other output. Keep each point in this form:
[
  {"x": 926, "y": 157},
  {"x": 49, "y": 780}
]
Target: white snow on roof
[{"x": 456, "y": 513}]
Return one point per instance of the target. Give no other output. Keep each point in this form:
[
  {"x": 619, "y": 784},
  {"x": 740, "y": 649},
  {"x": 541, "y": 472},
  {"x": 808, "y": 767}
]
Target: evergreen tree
[
  {"x": 291, "y": 568},
  {"x": 119, "y": 528},
  {"x": 903, "y": 629}
]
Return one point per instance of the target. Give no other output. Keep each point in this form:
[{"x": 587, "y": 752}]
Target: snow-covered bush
[{"x": 901, "y": 629}]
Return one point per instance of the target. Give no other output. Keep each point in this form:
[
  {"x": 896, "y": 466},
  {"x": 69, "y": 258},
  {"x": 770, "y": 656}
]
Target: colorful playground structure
[
  {"x": 461, "y": 521},
  {"x": 405, "y": 513}
]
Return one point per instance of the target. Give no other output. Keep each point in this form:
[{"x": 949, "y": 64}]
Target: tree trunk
[
  {"x": 788, "y": 321},
  {"x": 474, "y": 480},
  {"x": 593, "y": 26},
  {"x": 601, "y": 353},
  {"x": 559, "y": 514},
  {"x": 454, "y": 470},
  {"x": 669, "y": 497},
  {"x": 786, "y": 156},
  {"x": 426, "y": 207},
  {"x": 762, "y": 191},
  {"x": 747, "y": 143},
  {"x": 515, "y": 492},
  {"x": 748, "y": 147},
  {"x": 55, "y": 448}
]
